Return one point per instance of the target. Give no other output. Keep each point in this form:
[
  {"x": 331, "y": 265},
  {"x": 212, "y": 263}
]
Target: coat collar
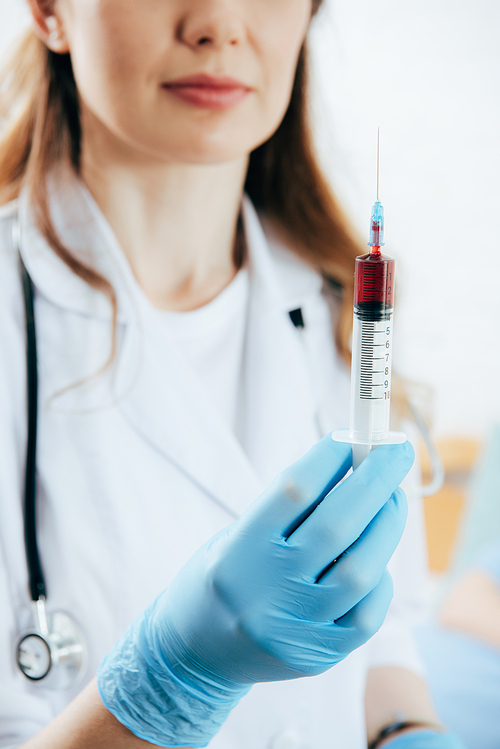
[{"x": 153, "y": 390}]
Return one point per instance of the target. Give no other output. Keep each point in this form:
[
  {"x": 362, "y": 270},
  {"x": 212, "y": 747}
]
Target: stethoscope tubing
[
  {"x": 59, "y": 634},
  {"x": 35, "y": 574}
]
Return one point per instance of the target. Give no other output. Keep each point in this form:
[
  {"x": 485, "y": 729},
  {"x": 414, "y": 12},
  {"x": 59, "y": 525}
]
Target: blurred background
[{"x": 428, "y": 73}]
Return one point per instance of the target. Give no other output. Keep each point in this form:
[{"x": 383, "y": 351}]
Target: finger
[
  {"x": 344, "y": 514},
  {"x": 297, "y": 490},
  {"x": 365, "y": 619},
  {"x": 359, "y": 569}
]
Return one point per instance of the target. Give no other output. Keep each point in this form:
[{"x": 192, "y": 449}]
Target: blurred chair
[
  {"x": 443, "y": 511},
  {"x": 480, "y": 526}
]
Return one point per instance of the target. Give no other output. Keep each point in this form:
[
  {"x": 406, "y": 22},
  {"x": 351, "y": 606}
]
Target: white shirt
[
  {"x": 211, "y": 341},
  {"x": 136, "y": 472}
]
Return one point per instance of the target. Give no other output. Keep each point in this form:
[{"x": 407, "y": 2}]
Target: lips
[{"x": 207, "y": 91}]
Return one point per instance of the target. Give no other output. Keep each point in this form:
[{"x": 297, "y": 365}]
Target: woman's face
[{"x": 155, "y": 73}]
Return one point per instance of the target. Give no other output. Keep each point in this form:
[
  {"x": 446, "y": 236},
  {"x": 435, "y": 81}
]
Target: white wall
[
  {"x": 13, "y": 15},
  {"x": 427, "y": 72}
]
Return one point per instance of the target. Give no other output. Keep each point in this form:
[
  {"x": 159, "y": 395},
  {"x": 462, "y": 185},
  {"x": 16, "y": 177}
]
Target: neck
[{"x": 176, "y": 223}]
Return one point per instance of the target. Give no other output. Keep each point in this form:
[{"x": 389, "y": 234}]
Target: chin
[
  {"x": 202, "y": 151},
  {"x": 205, "y": 144},
  {"x": 197, "y": 154}
]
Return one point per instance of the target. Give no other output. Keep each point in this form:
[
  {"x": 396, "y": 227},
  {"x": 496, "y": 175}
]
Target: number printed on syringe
[{"x": 376, "y": 349}]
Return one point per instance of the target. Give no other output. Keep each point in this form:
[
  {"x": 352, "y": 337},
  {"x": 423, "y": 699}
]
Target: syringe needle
[
  {"x": 377, "y": 220},
  {"x": 378, "y": 159}
]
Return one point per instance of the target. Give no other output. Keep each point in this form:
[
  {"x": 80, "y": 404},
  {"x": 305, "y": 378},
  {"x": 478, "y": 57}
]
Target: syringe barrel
[
  {"x": 372, "y": 347},
  {"x": 371, "y": 378}
]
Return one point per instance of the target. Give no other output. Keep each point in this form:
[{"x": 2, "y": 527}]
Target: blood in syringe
[{"x": 374, "y": 283}]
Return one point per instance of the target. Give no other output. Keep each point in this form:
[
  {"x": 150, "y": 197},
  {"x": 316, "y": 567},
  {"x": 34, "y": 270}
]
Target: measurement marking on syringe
[{"x": 374, "y": 384}]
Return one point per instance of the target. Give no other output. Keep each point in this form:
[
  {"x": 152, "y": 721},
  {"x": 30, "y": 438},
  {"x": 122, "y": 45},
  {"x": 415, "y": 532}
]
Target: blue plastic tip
[{"x": 377, "y": 225}]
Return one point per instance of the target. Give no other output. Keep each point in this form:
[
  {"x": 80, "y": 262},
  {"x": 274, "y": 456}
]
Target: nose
[{"x": 211, "y": 23}]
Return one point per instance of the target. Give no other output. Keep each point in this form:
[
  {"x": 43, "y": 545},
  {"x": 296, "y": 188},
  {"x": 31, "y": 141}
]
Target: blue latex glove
[
  {"x": 425, "y": 739},
  {"x": 262, "y": 601}
]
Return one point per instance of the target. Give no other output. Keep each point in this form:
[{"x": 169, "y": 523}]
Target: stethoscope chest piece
[
  {"x": 33, "y": 656},
  {"x": 54, "y": 653}
]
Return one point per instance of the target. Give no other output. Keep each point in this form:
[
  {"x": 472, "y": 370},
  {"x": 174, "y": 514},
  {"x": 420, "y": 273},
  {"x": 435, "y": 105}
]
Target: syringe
[{"x": 371, "y": 346}]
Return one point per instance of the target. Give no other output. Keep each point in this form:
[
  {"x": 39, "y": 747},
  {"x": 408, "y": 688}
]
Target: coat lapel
[{"x": 279, "y": 413}]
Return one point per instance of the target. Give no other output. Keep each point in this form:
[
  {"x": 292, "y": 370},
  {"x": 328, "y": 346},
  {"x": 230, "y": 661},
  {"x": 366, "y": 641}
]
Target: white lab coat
[{"x": 136, "y": 470}]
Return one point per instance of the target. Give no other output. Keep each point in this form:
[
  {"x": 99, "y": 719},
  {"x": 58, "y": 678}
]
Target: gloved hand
[
  {"x": 263, "y": 600},
  {"x": 425, "y": 739}
]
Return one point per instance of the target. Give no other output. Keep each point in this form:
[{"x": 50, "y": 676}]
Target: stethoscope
[{"x": 54, "y": 653}]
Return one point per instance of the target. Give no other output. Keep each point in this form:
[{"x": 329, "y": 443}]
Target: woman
[{"x": 174, "y": 388}]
